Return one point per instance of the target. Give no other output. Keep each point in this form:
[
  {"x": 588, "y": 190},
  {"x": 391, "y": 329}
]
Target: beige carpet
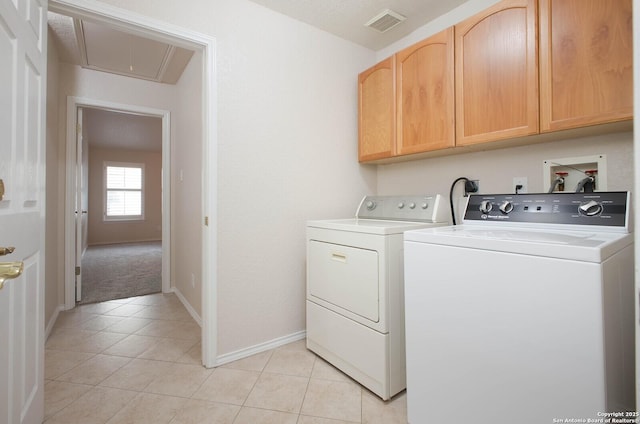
[{"x": 116, "y": 271}]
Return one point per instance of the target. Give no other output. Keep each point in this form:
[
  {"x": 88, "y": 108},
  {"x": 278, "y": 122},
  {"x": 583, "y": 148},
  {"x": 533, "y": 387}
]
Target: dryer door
[{"x": 346, "y": 277}]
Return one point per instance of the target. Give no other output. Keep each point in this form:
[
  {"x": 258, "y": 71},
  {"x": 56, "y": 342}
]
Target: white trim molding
[
  {"x": 52, "y": 322},
  {"x": 187, "y": 306},
  {"x": 261, "y": 347}
]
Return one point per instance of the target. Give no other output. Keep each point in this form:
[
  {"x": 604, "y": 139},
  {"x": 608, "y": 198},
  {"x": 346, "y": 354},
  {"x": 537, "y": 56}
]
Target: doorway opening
[
  {"x": 121, "y": 220},
  {"x": 205, "y": 45}
]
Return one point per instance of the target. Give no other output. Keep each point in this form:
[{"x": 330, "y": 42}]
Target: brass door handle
[
  {"x": 10, "y": 270},
  {"x": 6, "y": 250}
]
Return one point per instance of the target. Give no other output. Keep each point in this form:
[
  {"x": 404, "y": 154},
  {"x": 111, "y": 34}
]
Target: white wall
[
  {"x": 288, "y": 153},
  {"x": 186, "y": 181},
  {"x": 287, "y": 134},
  {"x": 75, "y": 81},
  {"x": 496, "y": 168}
]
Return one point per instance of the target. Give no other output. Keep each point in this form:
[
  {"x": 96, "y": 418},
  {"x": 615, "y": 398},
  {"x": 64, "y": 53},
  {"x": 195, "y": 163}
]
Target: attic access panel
[{"x": 122, "y": 53}]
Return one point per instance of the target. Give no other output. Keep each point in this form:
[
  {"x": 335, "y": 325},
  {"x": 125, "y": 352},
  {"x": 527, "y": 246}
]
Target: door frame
[
  {"x": 73, "y": 104},
  {"x": 162, "y": 31}
]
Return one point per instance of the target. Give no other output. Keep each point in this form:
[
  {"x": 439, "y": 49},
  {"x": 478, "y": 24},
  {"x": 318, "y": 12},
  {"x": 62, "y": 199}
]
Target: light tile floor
[{"x": 138, "y": 361}]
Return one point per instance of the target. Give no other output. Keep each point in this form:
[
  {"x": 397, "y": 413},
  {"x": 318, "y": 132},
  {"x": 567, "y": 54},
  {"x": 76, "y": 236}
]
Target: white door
[
  {"x": 82, "y": 200},
  {"x": 23, "y": 59}
]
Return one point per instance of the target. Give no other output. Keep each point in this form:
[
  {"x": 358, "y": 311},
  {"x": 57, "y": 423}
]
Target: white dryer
[
  {"x": 525, "y": 313},
  {"x": 355, "y": 295}
]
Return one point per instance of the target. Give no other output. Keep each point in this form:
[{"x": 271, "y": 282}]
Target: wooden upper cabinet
[
  {"x": 496, "y": 73},
  {"x": 376, "y": 111},
  {"x": 586, "y": 62},
  {"x": 425, "y": 97}
]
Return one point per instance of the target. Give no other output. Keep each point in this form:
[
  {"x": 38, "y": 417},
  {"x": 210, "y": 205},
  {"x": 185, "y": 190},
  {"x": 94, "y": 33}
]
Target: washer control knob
[
  {"x": 590, "y": 208},
  {"x": 486, "y": 206},
  {"x": 400, "y": 205},
  {"x": 506, "y": 207},
  {"x": 412, "y": 205},
  {"x": 424, "y": 205},
  {"x": 371, "y": 205}
]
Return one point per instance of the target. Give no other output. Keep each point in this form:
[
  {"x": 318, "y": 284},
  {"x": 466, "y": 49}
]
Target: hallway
[{"x": 137, "y": 360}]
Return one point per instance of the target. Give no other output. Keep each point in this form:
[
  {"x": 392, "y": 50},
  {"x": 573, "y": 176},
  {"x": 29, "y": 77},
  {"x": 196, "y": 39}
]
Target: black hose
[{"x": 453, "y": 214}]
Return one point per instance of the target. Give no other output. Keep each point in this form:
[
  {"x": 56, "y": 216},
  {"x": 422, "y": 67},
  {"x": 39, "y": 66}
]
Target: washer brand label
[{"x": 495, "y": 217}]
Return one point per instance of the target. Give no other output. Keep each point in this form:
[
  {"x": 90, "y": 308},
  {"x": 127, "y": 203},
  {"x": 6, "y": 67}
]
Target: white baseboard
[
  {"x": 262, "y": 347},
  {"x": 187, "y": 306},
  {"x": 106, "y": 243},
  {"x": 52, "y": 322},
  {"x": 246, "y": 352}
]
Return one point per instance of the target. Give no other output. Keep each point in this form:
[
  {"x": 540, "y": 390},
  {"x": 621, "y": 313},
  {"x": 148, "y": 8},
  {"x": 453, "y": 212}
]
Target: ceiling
[
  {"x": 347, "y": 18},
  {"x": 116, "y": 130},
  {"x": 102, "y": 48}
]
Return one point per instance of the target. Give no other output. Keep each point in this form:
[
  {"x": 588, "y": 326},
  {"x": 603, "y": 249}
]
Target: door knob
[
  {"x": 10, "y": 270},
  {"x": 6, "y": 250}
]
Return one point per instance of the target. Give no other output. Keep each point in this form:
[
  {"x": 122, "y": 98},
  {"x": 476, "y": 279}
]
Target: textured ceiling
[
  {"x": 347, "y": 18},
  {"x": 115, "y": 130}
]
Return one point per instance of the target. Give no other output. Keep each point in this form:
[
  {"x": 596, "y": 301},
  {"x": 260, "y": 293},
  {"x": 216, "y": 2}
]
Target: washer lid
[
  {"x": 371, "y": 226},
  {"x": 589, "y": 246}
]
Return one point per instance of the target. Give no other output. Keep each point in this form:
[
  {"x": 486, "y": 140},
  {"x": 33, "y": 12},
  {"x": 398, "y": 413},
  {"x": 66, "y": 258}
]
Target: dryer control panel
[
  {"x": 429, "y": 208},
  {"x": 606, "y": 209}
]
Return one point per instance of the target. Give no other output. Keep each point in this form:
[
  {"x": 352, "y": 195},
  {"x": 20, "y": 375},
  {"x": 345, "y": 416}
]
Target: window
[{"x": 124, "y": 191}]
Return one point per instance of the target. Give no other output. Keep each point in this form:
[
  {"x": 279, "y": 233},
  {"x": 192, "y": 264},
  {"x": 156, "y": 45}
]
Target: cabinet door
[
  {"x": 497, "y": 73},
  {"x": 376, "y": 111},
  {"x": 586, "y": 62},
  {"x": 424, "y": 78}
]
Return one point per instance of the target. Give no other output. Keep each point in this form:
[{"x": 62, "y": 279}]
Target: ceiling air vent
[{"x": 385, "y": 20}]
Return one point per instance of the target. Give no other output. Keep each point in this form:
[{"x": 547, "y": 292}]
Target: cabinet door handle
[{"x": 6, "y": 250}]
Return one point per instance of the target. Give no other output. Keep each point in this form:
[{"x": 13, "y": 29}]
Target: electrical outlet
[
  {"x": 472, "y": 186},
  {"x": 522, "y": 182}
]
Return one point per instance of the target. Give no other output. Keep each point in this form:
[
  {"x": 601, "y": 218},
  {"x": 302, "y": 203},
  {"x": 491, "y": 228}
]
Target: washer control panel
[
  {"x": 403, "y": 208},
  {"x": 609, "y": 209}
]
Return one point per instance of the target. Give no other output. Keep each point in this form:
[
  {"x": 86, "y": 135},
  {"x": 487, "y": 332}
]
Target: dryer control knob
[
  {"x": 486, "y": 206},
  {"x": 412, "y": 205},
  {"x": 371, "y": 205},
  {"x": 590, "y": 208},
  {"x": 424, "y": 205},
  {"x": 400, "y": 205},
  {"x": 506, "y": 207}
]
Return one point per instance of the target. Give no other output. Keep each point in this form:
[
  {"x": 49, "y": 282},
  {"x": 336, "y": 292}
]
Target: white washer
[
  {"x": 524, "y": 313},
  {"x": 355, "y": 297}
]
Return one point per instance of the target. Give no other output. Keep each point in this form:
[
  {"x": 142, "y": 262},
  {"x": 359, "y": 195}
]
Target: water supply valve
[
  {"x": 592, "y": 173},
  {"x": 560, "y": 177}
]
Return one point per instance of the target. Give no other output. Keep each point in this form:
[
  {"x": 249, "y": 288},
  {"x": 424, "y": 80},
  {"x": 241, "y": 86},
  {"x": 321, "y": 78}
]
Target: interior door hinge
[
  {"x": 206, "y": 221},
  {"x": 78, "y": 128},
  {"x": 77, "y": 270}
]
